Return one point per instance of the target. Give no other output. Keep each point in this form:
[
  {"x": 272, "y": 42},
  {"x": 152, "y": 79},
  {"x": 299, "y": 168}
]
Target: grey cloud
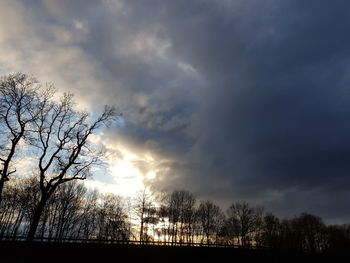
[
  {"x": 275, "y": 115},
  {"x": 244, "y": 99}
]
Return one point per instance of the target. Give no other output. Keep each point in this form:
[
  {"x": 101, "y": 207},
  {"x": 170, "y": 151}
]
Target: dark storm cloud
[
  {"x": 244, "y": 99},
  {"x": 275, "y": 113}
]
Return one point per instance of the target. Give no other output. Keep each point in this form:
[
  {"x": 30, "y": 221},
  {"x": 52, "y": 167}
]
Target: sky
[{"x": 231, "y": 100}]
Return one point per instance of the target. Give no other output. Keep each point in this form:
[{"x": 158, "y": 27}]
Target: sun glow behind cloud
[
  {"x": 128, "y": 179},
  {"x": 125, "y": 172}
]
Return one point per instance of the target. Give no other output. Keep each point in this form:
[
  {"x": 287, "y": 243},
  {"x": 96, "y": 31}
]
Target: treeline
[{"x": 74, "y": 212}]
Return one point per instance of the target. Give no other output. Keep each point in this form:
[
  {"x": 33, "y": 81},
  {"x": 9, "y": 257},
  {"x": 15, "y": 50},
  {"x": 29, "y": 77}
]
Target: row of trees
[
  {"x": 74, "y": 212},
  {"x": 183, "y": 219}
]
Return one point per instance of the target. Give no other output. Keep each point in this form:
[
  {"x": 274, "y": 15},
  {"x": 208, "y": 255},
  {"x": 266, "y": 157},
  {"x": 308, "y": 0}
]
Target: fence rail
[{"x": 126, "y": 242}]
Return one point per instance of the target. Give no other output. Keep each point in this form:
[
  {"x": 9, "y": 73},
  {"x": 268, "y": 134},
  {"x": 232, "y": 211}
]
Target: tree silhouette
[
  {"x": 18, "y": 109},
  {"x": 62, "y": 212},
  {"x": 64, "y": 153},
  {"x": 210, "y": 218},
  {"x": 143, "y": 206},
  {"x": 74, "y": 212},
  {"x": 243, "y": 221},
  {"x": 181, "y": 214},
  {"x": 312, "y": 231},
  {"x": 270, "y": 232},
  {"x": 111, "y": 219},
  {"x": 338, "y": 238}
]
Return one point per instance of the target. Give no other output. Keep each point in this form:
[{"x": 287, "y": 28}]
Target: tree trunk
[
  {"x": 5, "y": 170},
  {"x": 2, "y": 182},
  {"x": 36, "y": 218}
]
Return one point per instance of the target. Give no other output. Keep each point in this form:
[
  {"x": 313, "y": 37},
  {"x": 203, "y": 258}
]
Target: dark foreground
[{"x": 11, "y": 252}]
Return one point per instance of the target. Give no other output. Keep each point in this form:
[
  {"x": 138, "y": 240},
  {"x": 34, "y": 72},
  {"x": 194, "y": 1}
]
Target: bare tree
[
  {"x": 179, "y": 208},
  {"x": 62, "y": 212},
  {"x": 243, "y": 221},
  {"x": 210, "y": 219},
  {"x": 18, "y": 100},
  {"x": 174, "y": 213},
  {"x": 188, "y": 216},
  {"x": 111, "y": 219},
  {"x": 143, "y": 206},
  {"x": 19, "y": 196},
  {"x": 87, "y": 223},
  {"x": 11, "y": 213},
  {"x": 64, "y": 151},
  {"x": 312, "y": 230},
  {"x": 338, "y": 238},
  {"x": 271, "y": 231},
  {"x": 305, "y": 233},
  {"x": 163, "y": 215}
]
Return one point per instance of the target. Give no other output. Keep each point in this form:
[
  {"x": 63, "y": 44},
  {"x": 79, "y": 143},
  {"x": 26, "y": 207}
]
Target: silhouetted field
[{"x": 67, "y": 252}]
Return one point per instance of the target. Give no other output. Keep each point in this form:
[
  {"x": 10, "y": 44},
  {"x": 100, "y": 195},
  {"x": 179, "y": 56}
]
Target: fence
[{"x": 128, "y": 242}]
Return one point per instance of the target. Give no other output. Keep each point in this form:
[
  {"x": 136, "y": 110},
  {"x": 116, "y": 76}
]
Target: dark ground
[{"x": 13, "y": 252}]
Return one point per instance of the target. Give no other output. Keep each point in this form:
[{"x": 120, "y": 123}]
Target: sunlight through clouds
[
  {"x": 126, "y": 177},
  {"x": 125, "y": 172}
]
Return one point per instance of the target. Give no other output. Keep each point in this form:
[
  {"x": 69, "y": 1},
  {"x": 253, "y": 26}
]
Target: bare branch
[{"x": 18, "y": 97}]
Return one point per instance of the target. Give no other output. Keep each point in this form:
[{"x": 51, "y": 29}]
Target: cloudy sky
[{"x": 232, "y": 99}]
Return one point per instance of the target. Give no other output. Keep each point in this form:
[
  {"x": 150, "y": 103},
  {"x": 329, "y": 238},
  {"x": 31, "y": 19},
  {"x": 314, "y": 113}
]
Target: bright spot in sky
[
  {"x": 128, "y": 179},
  {"x": 151, "y": 175},
  {"x": 126, "y": 172}
]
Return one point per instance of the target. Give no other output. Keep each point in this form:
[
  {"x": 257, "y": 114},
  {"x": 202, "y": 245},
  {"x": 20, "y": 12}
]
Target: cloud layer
[{"x": 230, "y": 99}]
